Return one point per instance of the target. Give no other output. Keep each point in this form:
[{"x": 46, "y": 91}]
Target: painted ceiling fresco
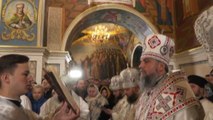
[
  {"x": 124, "y": 40},
  {"x": 174, "y": 18},
  {"x": 116, "y": 16}
]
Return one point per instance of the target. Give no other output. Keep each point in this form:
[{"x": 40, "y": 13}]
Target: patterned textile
[
  {"x": 203, "y": 29},
  {"x": 130, "y": 77},
  {"x": 170, "y": 97},
  {"x": 49, "y": 107},
  {"x": 95, "y": 105},
  {"x": 9, "y": 111},
  {"x": 119, "y": 111},
  {"x": 130, "y": 112},
  {"x": 159, "y": 47}
]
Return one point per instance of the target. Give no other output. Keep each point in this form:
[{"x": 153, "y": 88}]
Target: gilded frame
[{"x": 26, "y": 30}]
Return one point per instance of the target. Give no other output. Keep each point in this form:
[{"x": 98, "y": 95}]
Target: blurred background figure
[
  {"x": 209, "y": 78},
  {"x": 95, "y": 101},
  {"x": 47, "y": 88},
  {"x": 131, "y": 78},
  {"x": 81, "y": 88},
  {"x": 95, "y": 81},
  {"x": 197, "y": 84},
  {"x": 115, "y": 110},
  {"x": 105, "y": 92},
  {"x": 38, "y": 98}
]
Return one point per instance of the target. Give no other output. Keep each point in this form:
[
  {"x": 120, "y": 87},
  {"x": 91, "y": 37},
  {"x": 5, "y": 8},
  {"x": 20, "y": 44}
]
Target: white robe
[
  {"x": 130, "y": 112},
  {"x": 10, "y": 111},
  {"x": 95, "y": 104},
  {"x": 120, "y": 109},
  {"x": 25, "y": 102},
  {"x": 208, "y": 108},
  {"x": 171, "y": 99}
]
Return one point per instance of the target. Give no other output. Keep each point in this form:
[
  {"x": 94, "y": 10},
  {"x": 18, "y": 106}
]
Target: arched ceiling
[{"x": 108, "y": 13}]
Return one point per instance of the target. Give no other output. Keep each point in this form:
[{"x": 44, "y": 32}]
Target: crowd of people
[{"x": 150, "y": 92}]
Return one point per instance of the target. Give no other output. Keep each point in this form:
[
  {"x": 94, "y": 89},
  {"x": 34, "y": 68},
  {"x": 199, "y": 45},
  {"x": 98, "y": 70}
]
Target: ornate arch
[{"x": 109, "y": 13}]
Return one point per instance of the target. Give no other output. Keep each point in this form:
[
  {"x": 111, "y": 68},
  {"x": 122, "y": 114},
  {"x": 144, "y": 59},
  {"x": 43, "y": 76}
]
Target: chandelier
[{"x": 100, "y": 34}]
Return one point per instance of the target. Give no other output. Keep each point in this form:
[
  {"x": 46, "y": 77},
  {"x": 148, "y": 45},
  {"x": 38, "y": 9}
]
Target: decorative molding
[
  {"x": 189, "y": 57},
  {"x": 60, "y": 58},
  {"x": 24, "y": 50}
]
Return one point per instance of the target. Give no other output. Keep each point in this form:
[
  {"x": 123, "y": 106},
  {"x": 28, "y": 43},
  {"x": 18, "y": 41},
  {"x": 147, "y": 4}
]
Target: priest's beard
[
  {"x": 148, "y": 81},
  {"x": 81, "y": 92},
  {"x": 116, "y": 99},
  {"x": 133, "y": 98}
]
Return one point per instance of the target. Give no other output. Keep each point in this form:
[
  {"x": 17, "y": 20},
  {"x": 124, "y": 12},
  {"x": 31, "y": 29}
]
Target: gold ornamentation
[
  {"x": 100, "y": 34},
  {"x": 18, "y": 34},
  {"x": 22, "y": 30}
]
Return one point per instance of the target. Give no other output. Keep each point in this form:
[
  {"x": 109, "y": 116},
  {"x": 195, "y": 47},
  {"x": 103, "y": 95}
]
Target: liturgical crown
[
  {"x": 130, "y": 77},
  {"x": 116, "y": 83},
  {"x": 159, "y": 47}
]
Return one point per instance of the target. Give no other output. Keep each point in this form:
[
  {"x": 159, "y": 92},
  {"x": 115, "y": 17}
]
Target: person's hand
[
  {"x": 107, "y": 111},
  {"x": 64, "y": 113}
]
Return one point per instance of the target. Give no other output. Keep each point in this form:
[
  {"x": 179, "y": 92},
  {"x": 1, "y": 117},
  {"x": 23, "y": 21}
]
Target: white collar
[{"x": 9, "y": 98}]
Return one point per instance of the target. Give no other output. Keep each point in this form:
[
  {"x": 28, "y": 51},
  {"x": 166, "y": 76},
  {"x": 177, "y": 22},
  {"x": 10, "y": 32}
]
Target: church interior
[
  {"x": 83, "y": 33},
  {"x": 106, "y": 59}
]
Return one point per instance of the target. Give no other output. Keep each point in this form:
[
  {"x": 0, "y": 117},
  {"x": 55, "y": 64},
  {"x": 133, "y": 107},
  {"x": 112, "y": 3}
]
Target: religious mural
[
  {"x": 174, "y": 18},
  {"x": 187, "y": 12},
  {"x": 102, "y": 60},
  {"x": 103, "y": 63},
  {"x": 171, "y": 17},
  {"x": 160, "y": 13},
  {"x": 19, "y": 22}
]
